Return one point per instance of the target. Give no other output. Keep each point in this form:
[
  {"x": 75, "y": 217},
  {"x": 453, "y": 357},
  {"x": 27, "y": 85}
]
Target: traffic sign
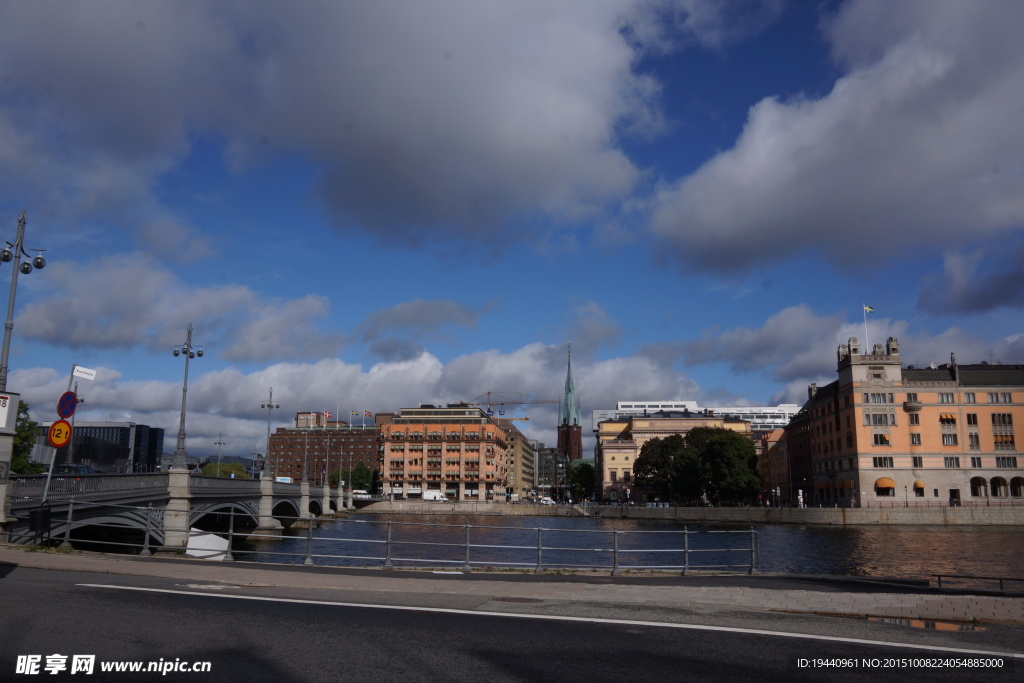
[
  {"x": 66, "y": 404},
  {"x": 59, "y": 434}
]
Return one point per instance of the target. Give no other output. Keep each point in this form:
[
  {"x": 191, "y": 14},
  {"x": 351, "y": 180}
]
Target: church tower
[{"x": 570, "y": 429}]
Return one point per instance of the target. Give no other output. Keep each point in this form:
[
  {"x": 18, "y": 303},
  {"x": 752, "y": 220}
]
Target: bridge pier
[
  {"x": 268, "y": 526},
  {"x": 178, "y": 510},
  {"x": 305, "y": 518},
  {"x": 326, "y": 502}
]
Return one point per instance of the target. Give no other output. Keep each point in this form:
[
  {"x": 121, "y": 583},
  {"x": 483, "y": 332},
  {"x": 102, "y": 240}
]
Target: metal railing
[
  {"x": 27, "y": 489},
  {"x": 389, "y": 544},
  {"x": 1000, "y": 580}
]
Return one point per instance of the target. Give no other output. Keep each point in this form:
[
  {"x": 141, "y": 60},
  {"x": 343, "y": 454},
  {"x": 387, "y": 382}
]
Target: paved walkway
[{"x": 814, "y": 595}]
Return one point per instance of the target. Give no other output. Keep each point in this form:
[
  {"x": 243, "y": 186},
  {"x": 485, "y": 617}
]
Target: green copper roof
[{"x": 569, "y": 411}]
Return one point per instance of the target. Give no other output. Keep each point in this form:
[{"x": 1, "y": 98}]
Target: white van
[{"x": 434, "y": 495}]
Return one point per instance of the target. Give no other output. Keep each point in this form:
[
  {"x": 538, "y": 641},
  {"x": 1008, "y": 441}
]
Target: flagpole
[{"x": 866, "y": 344}]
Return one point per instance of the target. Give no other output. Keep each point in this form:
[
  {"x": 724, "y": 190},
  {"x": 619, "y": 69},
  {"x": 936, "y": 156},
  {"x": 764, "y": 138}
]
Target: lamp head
[
  {"x": 38, "y": 262},
  {"x": 177, "y": 352},
  {"x": 6, "y": 255},
  {"x": 26, "y": 268}
]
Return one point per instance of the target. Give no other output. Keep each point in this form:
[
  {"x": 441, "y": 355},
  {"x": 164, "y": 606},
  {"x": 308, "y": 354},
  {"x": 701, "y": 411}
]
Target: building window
[
  {"x": 946, "y": 398},
  {"x": 882, "y": 440},
  {"x": 949, "y": 440},
  {"x": 915, "y": 418},
  {"x": 911, "y": 398},
  {"x": 972, "y": 419},
  {"x": 975, "y": 461},
  {"x": 974, "y": 441},
  {"x": 1004, "y": 442},
  {"x": 1002, "y": 419},
  {"x": 881, "y": 462},
  {"x": 952, "y": 462},
  {"x": 918, "y": 461},
  {"x": 915, "y": 439},
  {"x": 947, "y": 420},
  {"x": 625, "y": 476},
  {"x": 993, "y": 397},
  {"x": 969, "y": 397},
  {"x": 1006, "y": 461},
  {"x": 613, "y": 475}
]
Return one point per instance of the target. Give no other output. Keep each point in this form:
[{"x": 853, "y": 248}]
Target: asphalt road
[{"x": 263, "y": 634}]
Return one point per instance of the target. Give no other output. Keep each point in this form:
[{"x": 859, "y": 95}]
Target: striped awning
[{"x": 884, "y": 483}]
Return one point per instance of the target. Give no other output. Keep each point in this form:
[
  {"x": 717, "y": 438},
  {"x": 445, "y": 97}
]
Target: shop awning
[
  {"x": 918, "y": 484},
  {"x": 821, "y": 485},
  {"x": 885, "y": 483}
]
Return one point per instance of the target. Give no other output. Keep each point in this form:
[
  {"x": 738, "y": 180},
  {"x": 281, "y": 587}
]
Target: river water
[{"x": 872, "y": 551}]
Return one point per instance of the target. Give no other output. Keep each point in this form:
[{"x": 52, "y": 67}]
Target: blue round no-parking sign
[{"x": 67, "y": 404}]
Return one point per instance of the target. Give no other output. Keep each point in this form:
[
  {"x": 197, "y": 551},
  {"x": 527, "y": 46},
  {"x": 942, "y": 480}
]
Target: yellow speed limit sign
[{"x": 59, "y": 434}]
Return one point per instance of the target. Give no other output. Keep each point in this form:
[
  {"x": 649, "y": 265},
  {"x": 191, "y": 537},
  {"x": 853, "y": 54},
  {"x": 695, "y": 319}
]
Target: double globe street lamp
[
  {"x": 14, "y": 252},
  {"x": 189, "y": 352},
  {"x": 269, "y": 405}
]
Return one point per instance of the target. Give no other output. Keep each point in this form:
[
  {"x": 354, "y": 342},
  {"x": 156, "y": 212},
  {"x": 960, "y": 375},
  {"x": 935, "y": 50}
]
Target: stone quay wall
[{"x": 937, "y": 516}]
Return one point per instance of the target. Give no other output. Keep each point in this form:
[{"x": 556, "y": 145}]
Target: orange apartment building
[
  {"x": 457, "y": 451},
  {"x": 885, "y": 434}
]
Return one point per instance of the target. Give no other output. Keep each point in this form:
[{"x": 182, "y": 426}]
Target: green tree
[
  {"x": 26, "y": 431},
  {"x": 655, "y": 467},
  {"x": 719, "y": 462},
  {"x": 362, "y": 477},
  {"x": 581, "y": 479},
  {"x": 210, "y": 469}
]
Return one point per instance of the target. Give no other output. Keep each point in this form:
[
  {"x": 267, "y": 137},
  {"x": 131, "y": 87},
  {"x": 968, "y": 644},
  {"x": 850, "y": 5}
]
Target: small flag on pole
[
  {"x": 327, "y": 414},
  {"x": 868, "y": 309},
  {"x": 367, "y": 413},
  {"x": 356, "y": 413}
]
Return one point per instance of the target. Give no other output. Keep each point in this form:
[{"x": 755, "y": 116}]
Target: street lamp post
[
  {"x": 269, "y": 405},
  {"x": 219, "y": 442},
  {"x": 14, "y": 251},
  {"x": 906, "y": 497},
  {"x": 189, "y": 352}
]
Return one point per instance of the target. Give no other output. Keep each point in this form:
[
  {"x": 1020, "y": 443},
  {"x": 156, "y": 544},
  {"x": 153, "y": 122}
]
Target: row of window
[
  {"x": 1009, "y": 462},
  {"x": 944, "y": 397}
]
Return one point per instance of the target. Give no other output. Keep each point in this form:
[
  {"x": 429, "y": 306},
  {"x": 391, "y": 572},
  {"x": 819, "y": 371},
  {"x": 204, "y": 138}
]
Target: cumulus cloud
[
  {"x": 916, "y": 145},
  {"x": 482, "y": 115},
  {"x": 120, "y": 303},
  {"x": 974, "y": 282}
]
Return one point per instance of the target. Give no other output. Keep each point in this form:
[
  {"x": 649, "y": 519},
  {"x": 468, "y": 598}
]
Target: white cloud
[{"x": 916, "y": 146}]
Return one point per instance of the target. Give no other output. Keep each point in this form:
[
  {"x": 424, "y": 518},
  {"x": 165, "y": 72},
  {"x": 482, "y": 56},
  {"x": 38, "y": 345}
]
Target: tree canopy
[
  {"x": 26, "y": 431},
  {"x": 707, "y": 461},
  {"x": 581, "y": 479}
]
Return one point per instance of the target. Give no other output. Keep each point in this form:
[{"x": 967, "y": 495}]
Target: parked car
[{"x": 545, "y": 500}]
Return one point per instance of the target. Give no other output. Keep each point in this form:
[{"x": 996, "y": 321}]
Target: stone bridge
[{"x": 166, "y": 504}]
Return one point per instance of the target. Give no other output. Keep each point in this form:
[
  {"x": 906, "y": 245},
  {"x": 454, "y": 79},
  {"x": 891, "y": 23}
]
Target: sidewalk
[{"x": 760, "y": 593}]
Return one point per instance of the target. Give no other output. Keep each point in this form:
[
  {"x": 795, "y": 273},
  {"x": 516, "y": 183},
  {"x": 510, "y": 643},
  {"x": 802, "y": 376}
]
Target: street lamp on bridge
[
  {"x": 13, "y": 252},
  {"x": 269, "y": 405},
  {"x": 189, "y": 352}
]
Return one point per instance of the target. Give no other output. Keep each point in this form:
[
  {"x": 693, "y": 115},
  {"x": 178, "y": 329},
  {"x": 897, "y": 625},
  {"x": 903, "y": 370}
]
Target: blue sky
[{"x": 369, "y": 205}]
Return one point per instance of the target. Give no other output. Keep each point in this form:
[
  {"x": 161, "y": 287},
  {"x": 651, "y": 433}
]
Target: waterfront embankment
[{"x": 941, "y": 516}]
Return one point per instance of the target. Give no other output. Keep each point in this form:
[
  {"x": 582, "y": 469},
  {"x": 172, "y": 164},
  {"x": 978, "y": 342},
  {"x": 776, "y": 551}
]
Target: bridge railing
[
  {"x": 28, "y": 489},
  {"x": 223, "y": 484}
]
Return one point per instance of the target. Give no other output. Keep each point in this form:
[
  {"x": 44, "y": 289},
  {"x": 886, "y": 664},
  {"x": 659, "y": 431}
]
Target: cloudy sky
[{"x": 369, "y": 205}]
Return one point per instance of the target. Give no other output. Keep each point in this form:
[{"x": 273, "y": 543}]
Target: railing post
[
  {"x": 309, "y": 540},
  {"x": 753, "y": 551},
  {"x": 540, "y": 552},
  {"x": 615, "y": 552},
  {"x": 228, "y": 557},
  {"x": 467, "y": 567},
  {"x": 146, "y": 552},
  {"x": 387, "y": 556},
  {"x": 67, "y": 524},
  {"x": 686, "y": 551}
]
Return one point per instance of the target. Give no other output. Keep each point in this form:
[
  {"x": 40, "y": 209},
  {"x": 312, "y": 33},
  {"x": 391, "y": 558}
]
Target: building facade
[
  {"x": 519, "y": 467},
  {"x": 885, "y": 434},
  {"x": 316, "y": 447},
  {"x": 456, "y": 450},
  {"x": 550, "y": 468},
  {"x": 108, "y": 447},
  {"x": 619, "y": 441}
]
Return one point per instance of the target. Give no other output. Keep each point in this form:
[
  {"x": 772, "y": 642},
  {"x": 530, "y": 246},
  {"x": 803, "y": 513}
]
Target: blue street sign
[{"x": 67, "y": 404}]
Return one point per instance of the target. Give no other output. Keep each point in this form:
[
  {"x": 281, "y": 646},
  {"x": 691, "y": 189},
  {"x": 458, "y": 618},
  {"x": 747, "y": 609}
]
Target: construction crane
[{"x": 493, "y": 398}]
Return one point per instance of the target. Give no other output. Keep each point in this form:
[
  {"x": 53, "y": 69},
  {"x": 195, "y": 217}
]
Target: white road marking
[
  {"x": 205, "y": 586},
  {"x": 585, "y": 620}
]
